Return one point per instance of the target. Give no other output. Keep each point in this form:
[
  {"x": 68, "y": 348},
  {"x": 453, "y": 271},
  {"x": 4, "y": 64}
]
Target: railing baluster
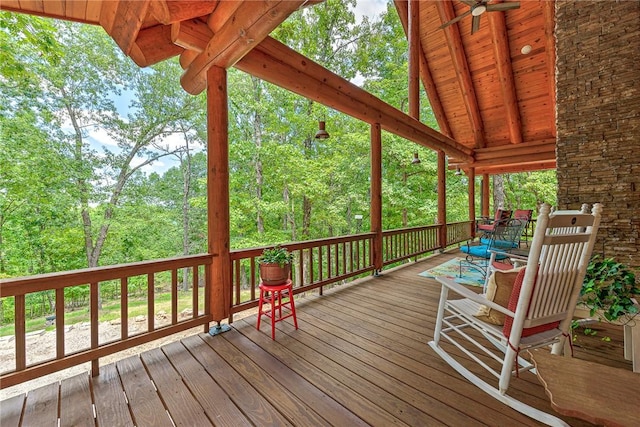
[
  {"x": 94, "y": 295},
  {"x": 174, "y": 295},
  {"x": 59, "y": 323},
  {"x": 124, "y": 308},
  {"x": 150, "y": 302},
  {"x": 194, "y": 294},
  {"x": 21, "y": 334}
]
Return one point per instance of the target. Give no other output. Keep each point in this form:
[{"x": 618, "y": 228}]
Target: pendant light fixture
[
  {"x": 416, "y": 159},
  {"x": 322, "y": 133}
]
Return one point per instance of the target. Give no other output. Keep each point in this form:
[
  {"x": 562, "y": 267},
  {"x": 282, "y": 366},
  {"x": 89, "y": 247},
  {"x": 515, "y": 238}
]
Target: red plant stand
[{"x": 274, "y": 295}]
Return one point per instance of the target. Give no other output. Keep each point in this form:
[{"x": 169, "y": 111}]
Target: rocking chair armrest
[
  {"x": 513, "y": 257},
  {"x": 475, "y": 297}
]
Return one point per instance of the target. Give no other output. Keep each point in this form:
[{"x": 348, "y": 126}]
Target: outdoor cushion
[
  {"x": 499, "y": 290},
  {"x": 513, "y": 304},
  {"x": 480, "y": 251}
]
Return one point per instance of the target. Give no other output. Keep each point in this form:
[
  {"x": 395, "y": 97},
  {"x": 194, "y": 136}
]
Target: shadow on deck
[{"x": 359, "y": 357}]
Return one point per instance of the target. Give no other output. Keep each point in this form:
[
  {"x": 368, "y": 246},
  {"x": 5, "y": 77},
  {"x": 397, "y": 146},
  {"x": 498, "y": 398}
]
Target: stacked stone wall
[{"x": 598, "y": 117}]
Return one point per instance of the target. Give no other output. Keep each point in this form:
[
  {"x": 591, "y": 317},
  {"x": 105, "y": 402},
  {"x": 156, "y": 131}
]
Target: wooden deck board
[
  {"x": 216, "y": 403},
  {"x": 261, "y": 377},
  {"x": 109, "y": 398},
  {"x": 11, "y": 410},
  {"x": 177, "y": 398},
  {"x": 323, "y": 404},
  {"x": 75, "y": 402},
  {"x": 420, "y": 376},
  {"x": 146, "y": 407},
  {"x": 242, "y": 393},
  {"x": 360, "y": 357},
  {"x": 41, "y": 407},
  {"x": 346, "y": 396}
]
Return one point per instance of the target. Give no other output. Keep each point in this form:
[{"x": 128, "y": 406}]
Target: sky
[{"x": 99, "y": 138}]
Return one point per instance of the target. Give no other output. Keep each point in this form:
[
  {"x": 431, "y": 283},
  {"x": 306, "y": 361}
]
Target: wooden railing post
[
  {"x": 218, "y": 192},
  {"x": 442, "y": 199},
  {"x": 376, "y": 195},
  {"x": 471, "y": 175}
]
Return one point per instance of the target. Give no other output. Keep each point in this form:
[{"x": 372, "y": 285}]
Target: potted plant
[
  {"x": 275, "y": 265},
  {"x": 609, "y": 290}
]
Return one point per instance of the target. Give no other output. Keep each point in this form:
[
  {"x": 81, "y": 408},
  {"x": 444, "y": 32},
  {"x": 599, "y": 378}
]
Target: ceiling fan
[{"x": 478, "y": 7}]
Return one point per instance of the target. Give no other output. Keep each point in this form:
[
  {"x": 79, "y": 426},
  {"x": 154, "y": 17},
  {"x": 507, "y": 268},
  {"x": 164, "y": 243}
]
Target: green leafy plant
[
  {"x": 610, "y": 288},
  {"x": 276, "y": 255}
]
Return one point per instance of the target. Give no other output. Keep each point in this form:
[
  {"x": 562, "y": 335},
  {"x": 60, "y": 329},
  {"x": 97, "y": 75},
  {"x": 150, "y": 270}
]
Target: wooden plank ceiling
[{"x": 495, "y": 105}]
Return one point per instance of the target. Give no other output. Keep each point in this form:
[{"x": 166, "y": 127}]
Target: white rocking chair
[{"x": 539, "y": 311}]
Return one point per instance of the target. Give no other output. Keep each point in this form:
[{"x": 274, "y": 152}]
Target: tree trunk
[{"x": 498, "y": 192}]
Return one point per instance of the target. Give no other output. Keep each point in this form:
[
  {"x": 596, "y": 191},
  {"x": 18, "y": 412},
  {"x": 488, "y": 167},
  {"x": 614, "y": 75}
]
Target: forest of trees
[{"x": 103, "y": 163}]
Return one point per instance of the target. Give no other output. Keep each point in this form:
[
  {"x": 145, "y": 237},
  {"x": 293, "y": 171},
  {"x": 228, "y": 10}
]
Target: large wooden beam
[
  {"x": 414, "y": 58},
  {"x": 218, "y": 224},
  {"x": 507, "y": 151},
  {"x": 154, "y": 45},
  {"x": 301, "y": 75},
  {"x": 425, "y": 74},
  {"x": 231, "y": 43},
  {"x": 192, "y": 34},
  {"x": 458, "y": 56},
  {"x": 517, "y": 167},
  {"x": 498, "y": 27},
  {"x": 122, "y": 20},
  {"x": 170, "y": 11}
]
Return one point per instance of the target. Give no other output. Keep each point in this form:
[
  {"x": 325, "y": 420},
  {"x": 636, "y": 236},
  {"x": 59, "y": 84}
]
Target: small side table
[{"x": 274, "y": 296}]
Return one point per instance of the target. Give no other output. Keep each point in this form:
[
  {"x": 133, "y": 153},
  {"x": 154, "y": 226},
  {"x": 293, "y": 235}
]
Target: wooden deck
[{"x": 359, "y": 357}]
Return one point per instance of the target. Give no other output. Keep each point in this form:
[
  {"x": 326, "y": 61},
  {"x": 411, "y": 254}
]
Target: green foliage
[
  {"x": 610, "y": 287},
  {"x": 276, "y": 255}
]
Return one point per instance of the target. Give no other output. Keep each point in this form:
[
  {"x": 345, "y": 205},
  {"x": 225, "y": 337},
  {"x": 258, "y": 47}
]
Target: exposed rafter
[
  {"x": 454, "y": 41},
  {"x": 425, "y": 75},
  {"x": 498, "y": 27}
]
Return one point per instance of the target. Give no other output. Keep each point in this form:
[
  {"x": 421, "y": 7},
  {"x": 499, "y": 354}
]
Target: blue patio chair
[{"x": 505, "y": 238}]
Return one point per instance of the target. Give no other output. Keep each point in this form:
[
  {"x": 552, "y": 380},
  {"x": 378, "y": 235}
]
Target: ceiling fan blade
[
  {"x": 456, "y": 19},
  {"x": 475, "y": 24},
  {"x": 499, "y": 7}
]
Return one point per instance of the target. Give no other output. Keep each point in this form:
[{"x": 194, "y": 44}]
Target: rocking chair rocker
[{"x": 539, "y": 310}]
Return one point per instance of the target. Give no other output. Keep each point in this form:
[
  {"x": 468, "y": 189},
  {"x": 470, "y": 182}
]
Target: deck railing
[
  {"x": 317, "y": 263},
  {"x": 150, "y": 274},
  {"x": 405, "y": 243},
  {"x": 458, "y": 232}
]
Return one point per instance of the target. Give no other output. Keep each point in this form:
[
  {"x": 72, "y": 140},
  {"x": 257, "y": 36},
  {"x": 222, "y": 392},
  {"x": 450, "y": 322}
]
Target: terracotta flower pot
[{"x": 273, "y": 274}]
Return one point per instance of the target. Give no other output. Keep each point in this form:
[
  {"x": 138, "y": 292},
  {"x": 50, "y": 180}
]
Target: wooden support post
[
  {"x": 376, "y": 194},
  {"x": 471, "y": 175},
  {"x": 218, "y": 192},
  {"x": 485, "y": 195},
  {"x": 442, "y": 198},
  {"x": 414, "y": 59}
]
